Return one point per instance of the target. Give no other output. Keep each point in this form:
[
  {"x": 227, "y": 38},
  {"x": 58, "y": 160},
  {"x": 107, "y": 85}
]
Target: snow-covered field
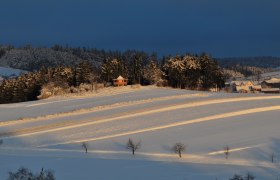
[{"x": 49, "y": 133}]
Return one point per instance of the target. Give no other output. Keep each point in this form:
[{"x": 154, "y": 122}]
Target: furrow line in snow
[
  {"x": 182, "y": 123},
  {"x": 98, "y": 108},
  {"x": 81, "y": 123}
]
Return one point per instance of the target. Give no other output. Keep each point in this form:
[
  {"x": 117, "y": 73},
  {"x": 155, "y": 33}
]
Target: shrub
[{"x": 25, "y": 174}]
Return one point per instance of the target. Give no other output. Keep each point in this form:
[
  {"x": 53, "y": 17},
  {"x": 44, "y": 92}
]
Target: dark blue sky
[{"x": 219, "y": 27}]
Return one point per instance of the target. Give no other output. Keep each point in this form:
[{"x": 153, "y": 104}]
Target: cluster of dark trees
[
  {"x": 260, "y": 61},
  {"x": 72, "y": 66},
  {"x": 25, "y": 174},
  {"x": 248, "y": 176},
  {"x": 27, "y": 86},
  {"x": 249, "y": 70}
]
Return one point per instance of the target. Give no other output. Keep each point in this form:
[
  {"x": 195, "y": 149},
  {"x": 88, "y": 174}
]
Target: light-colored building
[
  {"x": 242, "y": 86},
  {"x": 271, "y": 83}
]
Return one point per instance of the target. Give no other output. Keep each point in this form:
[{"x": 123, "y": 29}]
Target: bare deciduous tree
[
  {"x": 272, "y": 157},
  {"x": 85, "y": 146},
  {"x": 226, "y": 151},
  {"x": 132, "y": 146},
  {"x": 179, "y": 148}
]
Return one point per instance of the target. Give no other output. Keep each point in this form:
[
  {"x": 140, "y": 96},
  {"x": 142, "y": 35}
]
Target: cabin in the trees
[{"x": 120, "y": 81}]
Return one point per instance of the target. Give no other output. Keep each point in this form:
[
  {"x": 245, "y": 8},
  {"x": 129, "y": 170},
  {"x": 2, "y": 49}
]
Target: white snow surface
[
  {"x": 7, "y": 71},
  {"x": 49, "y": 133}
]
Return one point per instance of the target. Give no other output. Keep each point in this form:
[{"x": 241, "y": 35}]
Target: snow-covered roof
[
  {"x": 239, "y": 83},
  {"x": 120, "y": 78},
  {"x": 273, "y": 80},
  {"x": 246, "y": 88}
]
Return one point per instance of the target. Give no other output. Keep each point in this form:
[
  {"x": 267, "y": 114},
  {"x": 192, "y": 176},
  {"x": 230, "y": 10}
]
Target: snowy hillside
[
  {"x": 275, "y": 74},
  {"x": 49, "y": 133},
  {"x": 5, "y": 71}
]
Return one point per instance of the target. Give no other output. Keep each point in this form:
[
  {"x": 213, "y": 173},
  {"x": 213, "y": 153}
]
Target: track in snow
[
  {"x": 186, "y": 122},
  {"x": 81, "y": 123}
]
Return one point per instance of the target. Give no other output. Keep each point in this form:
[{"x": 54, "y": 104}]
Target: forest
[{"x": 67, "y": 67}]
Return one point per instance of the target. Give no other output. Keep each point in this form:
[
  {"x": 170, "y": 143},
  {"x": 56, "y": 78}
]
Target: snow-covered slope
[
  {"x": 49, "y": 134},
  {"x": 5, "y": 71}
]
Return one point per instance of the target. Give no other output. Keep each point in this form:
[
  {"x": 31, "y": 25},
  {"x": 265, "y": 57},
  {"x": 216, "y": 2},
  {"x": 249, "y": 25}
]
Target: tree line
[{"x": 199, "y": 72}]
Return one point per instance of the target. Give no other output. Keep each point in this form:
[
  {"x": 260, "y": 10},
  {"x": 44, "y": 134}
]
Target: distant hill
[
  {"x": 33, "y": 58},
  {"x": 264, "y": 61}
]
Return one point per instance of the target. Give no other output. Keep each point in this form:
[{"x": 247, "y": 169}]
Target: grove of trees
[{"x": 70, "y": 67}]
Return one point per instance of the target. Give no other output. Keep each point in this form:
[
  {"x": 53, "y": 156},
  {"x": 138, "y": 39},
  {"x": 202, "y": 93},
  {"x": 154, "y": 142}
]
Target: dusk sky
[{"x": 222, "y": 28}]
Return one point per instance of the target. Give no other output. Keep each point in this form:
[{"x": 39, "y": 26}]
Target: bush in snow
[
  {"x": 162, "y": 83},
  {"x": 132, "y": 145},
  {"x": 25, "y": 174},
  {"x": 84, "y": 87},
  {"x": 249, "y": 176},
  {"x": 53, "y": 89},
  {"x": 237, "y": 177},
  {"x": 85, "y": 146},
  {"x": 226, "y": 151},
  {"x": 272, "y": 157}
]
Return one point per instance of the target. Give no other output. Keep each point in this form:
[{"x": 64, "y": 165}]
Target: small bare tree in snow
[
  {"x": 226, "y": 151},
  {"x": 179, "y": 148},
  {"x": 272, "y": 157},
  {"x": 85, "y": 146},
  {"x": 132, "y": 145}
]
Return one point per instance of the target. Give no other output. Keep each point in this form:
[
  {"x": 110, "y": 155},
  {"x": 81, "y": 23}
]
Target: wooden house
[
  {"x": 242, "y": 86},
  {"x": 271, "y": 83},
  {"x": 120, "y": 81}
]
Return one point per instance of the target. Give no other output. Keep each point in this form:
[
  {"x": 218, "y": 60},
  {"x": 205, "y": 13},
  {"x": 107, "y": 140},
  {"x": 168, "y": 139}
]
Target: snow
[
  {"x": 6, "y": 71},
  {"x": 49, "y": 133},
  {"x": 273, "y": 80},
  {"x": 120, "y": 78}
]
